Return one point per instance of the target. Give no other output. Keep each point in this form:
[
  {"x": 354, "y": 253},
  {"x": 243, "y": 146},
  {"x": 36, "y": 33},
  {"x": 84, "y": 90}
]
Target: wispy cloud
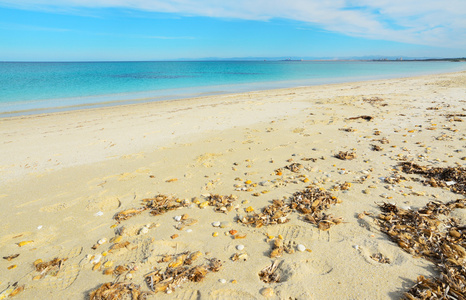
[{"x": 428, "y": 22}]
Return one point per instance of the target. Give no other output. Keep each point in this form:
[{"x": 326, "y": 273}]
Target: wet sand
[{"x": 64, "y": 176}]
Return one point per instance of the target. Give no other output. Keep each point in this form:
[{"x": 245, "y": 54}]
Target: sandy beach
[{"x": 73, "y": 184}]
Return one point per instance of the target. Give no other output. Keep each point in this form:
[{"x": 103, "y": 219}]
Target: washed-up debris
[
  {"x": 11, "y": 257},
  {"x": 11, "y": 291},
  {"x": 269, "y": 274},
  {"x": 348, "y": 129},
  {"x": 221, "y": 203},
  {"x": 180, "y": 271},
  {"x": 376, "y": 148},
  {"x": 279, "y": 246},
  {"x": 276, "y": 213},
  {"x": 429, "y": 234},
  {"x": 380, "y": 258},
  {"x": 453, "y": 178},
  {"x": 239, "y": 256},
  {"x": 375, "y": 101},
  {"x": 186, "y": 222},
  {"x": 311, "y": 203},
  {"x": 48, "y": 268},
  {"x": 342, "y": 186},
  {"x": 345, "y": 155},
  {"x": 294, "y": 167},
  {"x": 120, "y": 290},
  {"x": 158, "y": 205},
  {"x": 367, "y": 118}
]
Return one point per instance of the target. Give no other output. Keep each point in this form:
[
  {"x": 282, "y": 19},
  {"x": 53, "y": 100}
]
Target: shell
[
  {"x": 21, "y": 244},
  {"x": 267, "y": 292},
  {"x": 240, "y": 247},
  {"x": 301, "y": 248}
]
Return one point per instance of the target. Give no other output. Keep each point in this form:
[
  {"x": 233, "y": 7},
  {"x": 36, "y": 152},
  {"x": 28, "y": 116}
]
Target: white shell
[
  {"x": 240, "y": 247},
  {"x": 96, "y": 259},
  {"x": 223, "y": 280},
  {"x": 98, "y": 214},
  {"x": 216, "y": 224},
  {"x": 301, "y": 247},
  {"x": 189, "y": 230},
  {"x": 102, "y": 241},
  {"x": 144, "y": 230},
  {"x": 177, "y": 218}
]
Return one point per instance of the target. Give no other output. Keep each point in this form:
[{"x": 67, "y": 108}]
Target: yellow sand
[{"x": 64, "y": 176}]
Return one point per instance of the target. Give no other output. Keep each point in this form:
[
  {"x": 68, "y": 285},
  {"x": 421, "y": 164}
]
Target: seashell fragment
[
  {"x": 177, "y": 218},
  {"x": 216, "y": 224},
  {"x": 23, "y": 243},
  {"x": 267, "y": 292},
  {"x": 301, "y": 248},
  {"x": 240, "y": 247},
  {"x": 222, "y": 280}
]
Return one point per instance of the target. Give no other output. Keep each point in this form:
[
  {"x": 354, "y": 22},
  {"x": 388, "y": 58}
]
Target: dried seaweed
[
  {"x": 312, "y": 202},
  {"x": 429, "y": 234},
  {"x": 11, "y": 257},
  {"x": 276, "y": 213},
  {"x": 49, "y": 268},
  {"x": 179, "y": 270},
  {"x": 158, "y": 205},
  {"x": 375, "y": 101},
  {"x": 269, "y": 274},
  {"x": 348, "y": 129},
  {"x": 345, "y": 155},
  {"x": 367, "y": 118},
  {"x": 380, "y": 258},
  {"x": 376, "y": 148},
  {"x": 294, "y": 167},
  {"x": 113, "y": 291},
  {"x": 453, "y": 178},
  {"x": 279, "y": 246}
]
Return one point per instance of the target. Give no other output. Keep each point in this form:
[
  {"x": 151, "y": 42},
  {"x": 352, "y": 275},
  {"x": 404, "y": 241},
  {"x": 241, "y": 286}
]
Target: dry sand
[{"x": 65, "y": 175}]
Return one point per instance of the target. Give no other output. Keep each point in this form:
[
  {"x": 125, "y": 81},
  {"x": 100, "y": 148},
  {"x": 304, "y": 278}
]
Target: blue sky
[{"x": 61, "y": 30}]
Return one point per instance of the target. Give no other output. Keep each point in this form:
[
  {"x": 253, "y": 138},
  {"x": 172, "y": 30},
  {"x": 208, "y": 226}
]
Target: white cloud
[{"x": 428, "y": 22}]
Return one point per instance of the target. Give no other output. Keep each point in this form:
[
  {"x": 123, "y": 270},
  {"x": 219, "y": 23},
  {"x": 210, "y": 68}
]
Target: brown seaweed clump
[
  {"x": 48, "y": 268},
  {"x": 453, "y": 178},
  {"x": 345, "y": 155},
  {"x": 158, "y": 205},
  {"x": 269, "y": 274},
  {"x": 294, "y": 167},
  {"x": 120, "y": 290},
  {"x": 427, "y": 233},
  {"x": 276, "y": 213},
  {"x": 311, "y": 203},
  {"x": 179, "y": 270}
]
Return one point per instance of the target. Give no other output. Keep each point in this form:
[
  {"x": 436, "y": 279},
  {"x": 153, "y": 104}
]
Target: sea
[{"x": 40, "y": 87}]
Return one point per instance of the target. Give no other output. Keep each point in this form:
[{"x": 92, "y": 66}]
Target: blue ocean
[{"x": 36, "y": 87}]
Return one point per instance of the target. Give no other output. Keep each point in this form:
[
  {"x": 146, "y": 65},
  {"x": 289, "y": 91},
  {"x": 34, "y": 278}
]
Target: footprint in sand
[
  {"x": 188, "y": 295},
  {"x": 294, "y": 233},
  {"x": 106, "y": 204},
  {"x": 230, "y": 294},
  {"x": 65, "y": 278}
]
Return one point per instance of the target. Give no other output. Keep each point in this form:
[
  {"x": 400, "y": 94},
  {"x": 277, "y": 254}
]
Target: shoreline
[
  {"x": 66, "y": 175},
  {"x": 130, "y": 98}
]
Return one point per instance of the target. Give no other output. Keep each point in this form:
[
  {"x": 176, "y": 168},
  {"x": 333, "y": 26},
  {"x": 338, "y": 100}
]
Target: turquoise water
[{"x": 37, "y": 87}]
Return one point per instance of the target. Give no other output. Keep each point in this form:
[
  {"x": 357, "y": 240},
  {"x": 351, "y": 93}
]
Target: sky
[{"x": 101, "y": 30}]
